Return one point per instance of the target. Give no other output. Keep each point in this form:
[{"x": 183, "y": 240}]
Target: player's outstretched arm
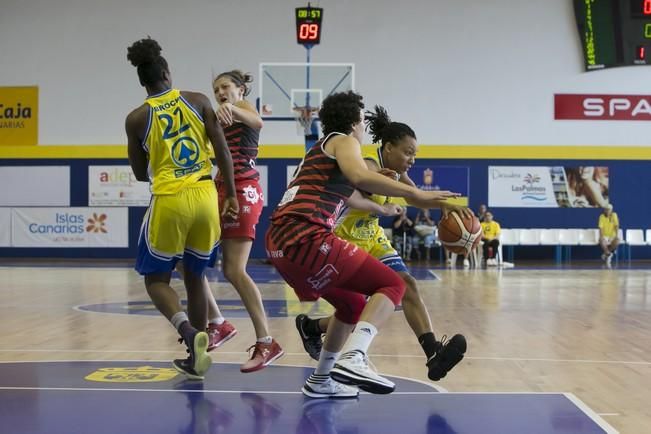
[
  {"x": 358, "y": 201},
  {"x": 444, "y": 205},
  {"x": 348, "y": 153}
]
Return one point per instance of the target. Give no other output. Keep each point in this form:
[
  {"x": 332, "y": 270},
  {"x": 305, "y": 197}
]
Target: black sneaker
[
  {"x": 184, "y": 366},
  {"x": 447, "y": 356},
  {"x": 198, "y": 362},
  {"x": 312, "y": 344}
]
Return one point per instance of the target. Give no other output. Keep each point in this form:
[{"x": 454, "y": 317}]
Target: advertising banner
[
  {"x": 116, "y": 186},
  {"x": 70, "y": 227},
  {"x": 35, "y": 186},
  {"x": 264, "y": 182},
  {"x": 602, "y": 107},
  {"x": 548, "y": 187},
  {"x": 19, "y": 116},
  {"x": 452, "y": 178},
  {"x": 5, "y": 227},
  {"x": 290, "y": 173}
]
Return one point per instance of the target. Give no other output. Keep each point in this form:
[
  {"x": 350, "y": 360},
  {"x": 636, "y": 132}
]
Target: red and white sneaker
[
  {"x": 218, "y": 334},
  {"x": 262, "y": 356}
]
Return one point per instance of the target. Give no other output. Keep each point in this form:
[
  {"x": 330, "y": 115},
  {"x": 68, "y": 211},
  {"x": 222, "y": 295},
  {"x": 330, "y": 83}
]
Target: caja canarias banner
[{"x": 18, "y": 116}]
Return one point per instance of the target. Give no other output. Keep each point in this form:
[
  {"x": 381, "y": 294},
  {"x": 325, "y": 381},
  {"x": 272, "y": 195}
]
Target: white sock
[
  {"x": 265, "y": 340},
  {"x": 179, "y": 318},
  {"x": 361, "y": 337},
  {"x": 327, "y": 361},
  {"x": 219, "y": 320}
]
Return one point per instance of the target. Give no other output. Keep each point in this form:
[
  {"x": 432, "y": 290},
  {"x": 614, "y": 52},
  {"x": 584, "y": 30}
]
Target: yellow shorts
[
  {"x": 375, "y": 243},
  {"x": 184, "y": 226}
]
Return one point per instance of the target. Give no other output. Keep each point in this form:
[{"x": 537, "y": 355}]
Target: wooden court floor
[{"x": 584, "y": 330}]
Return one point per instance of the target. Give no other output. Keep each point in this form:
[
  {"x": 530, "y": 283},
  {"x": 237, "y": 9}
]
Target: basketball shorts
[
  {"x": 378, "y": 246},
  {"x": 180, "y": 226},
  {"x": 251, "y": 200},
  {"x": 325, "y": 265}
]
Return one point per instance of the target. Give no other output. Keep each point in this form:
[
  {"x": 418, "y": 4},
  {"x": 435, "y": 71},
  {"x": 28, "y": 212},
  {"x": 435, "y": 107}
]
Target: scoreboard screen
[
  {"x": 614, "y": 32},
  {"x": 308, "y": 25}
]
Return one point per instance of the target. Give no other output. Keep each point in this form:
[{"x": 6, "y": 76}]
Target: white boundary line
[
  {"x": 439, "y": 389},
  {"x": 396, "y": 356},
  {"x": 570, "y": 396},
  {"x": 591, "y": 414},
  {"x": 102, "y": 389}
]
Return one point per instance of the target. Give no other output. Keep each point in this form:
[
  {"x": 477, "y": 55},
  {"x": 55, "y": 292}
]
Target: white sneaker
[
  {"x": 492, "y": 262},
  {"x": 352, "y": 369},
  {"x": 466, "y": 263},
  {"x": 322, "y": 386},
  {"x": 609, "y": 259}
]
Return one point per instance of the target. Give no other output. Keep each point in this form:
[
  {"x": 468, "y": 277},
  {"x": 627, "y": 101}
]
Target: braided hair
[
  {"x": 145, "y": 55},
  {"x": 383, "y": 130},
  {"x": 238, "y": 77}
]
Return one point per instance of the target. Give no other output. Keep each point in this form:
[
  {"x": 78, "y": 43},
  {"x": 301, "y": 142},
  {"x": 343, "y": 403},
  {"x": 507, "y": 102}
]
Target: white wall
[{"x": 459, "y": 72}]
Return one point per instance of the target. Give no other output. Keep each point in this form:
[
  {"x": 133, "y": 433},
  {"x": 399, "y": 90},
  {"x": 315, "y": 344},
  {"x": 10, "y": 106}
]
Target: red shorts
[
  {"x": 327, "y": 266},
  {"x": 251, "y": 200}
]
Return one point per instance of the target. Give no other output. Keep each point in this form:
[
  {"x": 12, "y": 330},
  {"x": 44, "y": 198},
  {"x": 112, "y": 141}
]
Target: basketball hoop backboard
[{"x": 285, "y": 87}]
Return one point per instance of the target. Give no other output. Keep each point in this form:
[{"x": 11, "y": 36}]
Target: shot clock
[
  {"x": 308, "y": 25},
  {"x": 614, "y": 32}
]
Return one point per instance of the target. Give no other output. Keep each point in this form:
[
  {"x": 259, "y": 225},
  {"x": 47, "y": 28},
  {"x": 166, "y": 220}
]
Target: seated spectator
[
  {"x": 608, "y": 230},
  {"x": 403, "y": 233},
  {"x": 481, "y": 212},
  {"x": 426, "y": 231},
  {"x": 490, "y": 238}
]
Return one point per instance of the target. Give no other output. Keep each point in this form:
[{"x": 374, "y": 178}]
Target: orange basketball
[{"x": 458, "y": 234}]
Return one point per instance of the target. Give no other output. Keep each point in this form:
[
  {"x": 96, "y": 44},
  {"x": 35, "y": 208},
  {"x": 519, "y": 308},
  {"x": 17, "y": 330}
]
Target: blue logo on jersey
[{"x": 185, "y": 152}]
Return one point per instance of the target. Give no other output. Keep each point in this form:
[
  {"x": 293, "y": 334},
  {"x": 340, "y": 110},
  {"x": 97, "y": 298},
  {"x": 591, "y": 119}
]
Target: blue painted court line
[
  {"x": 150, "y": 398},
  {"x": 262, "y": 273},
  {"x": 230, "y": 308}
]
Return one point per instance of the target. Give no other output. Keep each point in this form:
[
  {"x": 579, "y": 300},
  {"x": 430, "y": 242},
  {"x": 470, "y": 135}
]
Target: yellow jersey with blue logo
[
  {"x": 354, "y": 224},
  {"x": 176, "y": 141}
]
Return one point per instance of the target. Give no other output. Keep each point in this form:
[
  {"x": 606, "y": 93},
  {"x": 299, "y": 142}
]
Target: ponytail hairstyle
[
  {"x": 238, "y": 77},
  {"x": 382, "y": 130},
  {"x": 145, "y": 55}
]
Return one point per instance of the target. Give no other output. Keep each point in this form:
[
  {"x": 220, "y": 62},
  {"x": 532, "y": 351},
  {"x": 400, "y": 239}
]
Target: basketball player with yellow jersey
[
  {"x": 361, "y": 227},
  {"x": 169, "y": 146}
]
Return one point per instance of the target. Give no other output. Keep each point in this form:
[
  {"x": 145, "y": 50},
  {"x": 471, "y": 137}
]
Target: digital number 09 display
[{"x": 308, "y": 25}]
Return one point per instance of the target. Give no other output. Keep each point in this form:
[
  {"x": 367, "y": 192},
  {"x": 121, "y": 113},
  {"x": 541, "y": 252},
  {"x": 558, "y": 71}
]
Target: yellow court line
[{"x": 461, "y": 152}]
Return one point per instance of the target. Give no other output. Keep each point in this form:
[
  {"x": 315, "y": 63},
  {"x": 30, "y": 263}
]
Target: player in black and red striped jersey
[
  {"x": 242, "y": 124},
  {"x": 302, "y": 246}
]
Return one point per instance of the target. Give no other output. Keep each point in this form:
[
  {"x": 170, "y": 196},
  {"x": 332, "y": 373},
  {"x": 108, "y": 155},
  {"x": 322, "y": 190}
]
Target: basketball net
[{"x": 304, "y": 117}]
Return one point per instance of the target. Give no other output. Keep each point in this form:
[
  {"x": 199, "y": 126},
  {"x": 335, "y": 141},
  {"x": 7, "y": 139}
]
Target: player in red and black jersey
[
  {"x": 241, "y": 124},
  {"x": 316, "y": 263}
]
